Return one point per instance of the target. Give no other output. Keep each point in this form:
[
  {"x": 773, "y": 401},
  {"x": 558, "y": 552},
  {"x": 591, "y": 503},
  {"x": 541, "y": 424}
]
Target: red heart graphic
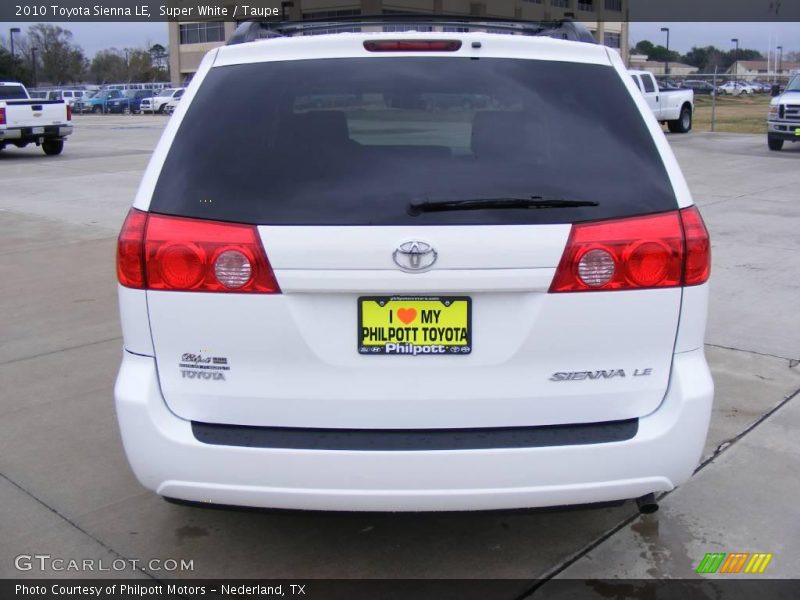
[{"x": 406, "y": 315}]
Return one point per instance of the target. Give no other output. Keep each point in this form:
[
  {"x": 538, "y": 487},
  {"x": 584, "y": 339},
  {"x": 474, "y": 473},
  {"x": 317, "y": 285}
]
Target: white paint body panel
[{"x": 167, "y": 459}]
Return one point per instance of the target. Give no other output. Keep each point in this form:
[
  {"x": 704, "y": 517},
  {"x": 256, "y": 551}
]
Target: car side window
[
  {"x": 637, "y": 82},
  {"x": 649, "y": 85},
  {"x": 178, "y": 94}
]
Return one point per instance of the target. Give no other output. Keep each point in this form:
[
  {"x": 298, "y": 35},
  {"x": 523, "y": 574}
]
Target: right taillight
[
  {"x": 652, "y": 251},
  {"x": 159, "y": 252},
  {"x": 2, "y": 115}
]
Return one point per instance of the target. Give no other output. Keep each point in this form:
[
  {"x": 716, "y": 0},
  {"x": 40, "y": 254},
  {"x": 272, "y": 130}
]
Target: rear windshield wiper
[{"x": 417, "y": 208}]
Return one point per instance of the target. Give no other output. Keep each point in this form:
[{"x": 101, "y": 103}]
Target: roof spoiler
[{"x": 565, "y": 29}]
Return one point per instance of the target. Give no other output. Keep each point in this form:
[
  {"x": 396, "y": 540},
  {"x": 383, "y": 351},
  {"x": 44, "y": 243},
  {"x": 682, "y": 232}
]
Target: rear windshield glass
[
  {"x": 355, "y": 141},
  {"x": 12, "y": 92}
]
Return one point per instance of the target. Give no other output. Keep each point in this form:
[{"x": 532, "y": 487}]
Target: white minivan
[{"x": 413, "y": 272}]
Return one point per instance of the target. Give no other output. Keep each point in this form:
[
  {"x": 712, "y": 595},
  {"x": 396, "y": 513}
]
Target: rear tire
[
  {"x": 684, "y": 122},
  {"x": 774, "y": 143},
  {"x": 97, "y": 110},
  {"x": 53, "y": 147}
]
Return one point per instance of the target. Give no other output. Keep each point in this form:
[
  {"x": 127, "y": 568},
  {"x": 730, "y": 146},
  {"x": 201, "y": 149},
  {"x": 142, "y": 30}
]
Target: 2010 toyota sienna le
[{"x": 409, "y": 271}]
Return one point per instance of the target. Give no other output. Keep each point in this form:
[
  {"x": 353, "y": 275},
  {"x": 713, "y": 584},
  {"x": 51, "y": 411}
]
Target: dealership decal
[{"x": 199, "y": 366}]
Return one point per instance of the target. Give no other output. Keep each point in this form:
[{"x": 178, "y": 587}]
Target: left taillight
[
  {"x": 69, "y": 112},
  {"x": 2, "y": 115},
  {"x": 159, "y": 252}
]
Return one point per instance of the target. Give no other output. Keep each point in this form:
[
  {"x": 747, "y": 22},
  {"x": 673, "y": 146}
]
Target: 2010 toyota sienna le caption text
[{"x": 412, "y": 272}]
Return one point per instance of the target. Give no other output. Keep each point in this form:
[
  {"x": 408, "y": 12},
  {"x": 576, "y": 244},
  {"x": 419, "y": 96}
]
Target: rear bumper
[
  {"x": 27, "y": 135},
  {"x": 167, "y": 458}
]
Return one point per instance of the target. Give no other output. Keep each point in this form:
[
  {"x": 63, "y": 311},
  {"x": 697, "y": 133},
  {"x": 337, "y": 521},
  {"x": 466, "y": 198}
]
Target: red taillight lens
[
  {"x": 182, "y": 254},
  {"x": 130, "y": 250},
  {"x": 412, "y": 45},
  {"x": 623, "y": 254},
  {"x": 698, "y": 247},
  {"x": 2, "y": 115},
  {"x": 69, "y": 112}
]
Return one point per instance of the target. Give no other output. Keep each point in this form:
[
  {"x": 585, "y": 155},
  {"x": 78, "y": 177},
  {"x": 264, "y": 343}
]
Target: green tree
[
  {"x": 61, "y": 60},
  {"x": 108, "y": 66},
  {"x": 19, "y": 70}
]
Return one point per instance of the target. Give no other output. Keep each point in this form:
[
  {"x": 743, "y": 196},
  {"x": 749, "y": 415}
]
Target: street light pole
[
  {"x": 33, "y": 64},
  {"x": 780, "y": 58},
  {"x": 666, "y": 64},
  {"x": 736, "y": 58},
  {"x": 12, "y": 31}
]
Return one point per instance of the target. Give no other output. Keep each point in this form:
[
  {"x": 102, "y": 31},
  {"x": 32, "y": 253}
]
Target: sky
[
  {"x": 682, "y": 36},
  {"x": 97, "y": 36}
]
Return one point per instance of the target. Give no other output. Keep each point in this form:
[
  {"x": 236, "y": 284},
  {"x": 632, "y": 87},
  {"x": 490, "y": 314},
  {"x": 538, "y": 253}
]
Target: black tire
[
  {"x": 684, "y": 123},
  {"x": 97, "y": 109},
  {"x": 53, "y": 147},
  {"x": 774, "y": 143},
  {"x": 161, "y": 109}
]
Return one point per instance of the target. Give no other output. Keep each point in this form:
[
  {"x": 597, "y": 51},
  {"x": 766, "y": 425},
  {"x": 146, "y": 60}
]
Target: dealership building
[{"x": 189, "y": 41}]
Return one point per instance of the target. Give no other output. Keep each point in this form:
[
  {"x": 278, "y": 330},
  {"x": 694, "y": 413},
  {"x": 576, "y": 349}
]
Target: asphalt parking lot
[{"x": 66, "y": 489}]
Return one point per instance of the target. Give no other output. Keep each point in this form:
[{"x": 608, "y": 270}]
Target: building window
[
  {"x": 331, "y": 14},
  {"x": 612, "y": 40},
  {"x": 200, "y": 33},
  {"x": 533, "y": 1},
  {"x": 559, "y": 3},
  {"x": 615, "y": 5},
  {"x": 586, "y": 5}
]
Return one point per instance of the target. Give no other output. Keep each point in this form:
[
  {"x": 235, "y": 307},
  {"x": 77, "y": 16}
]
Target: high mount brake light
[
  {"x": 653, "y": 251},
  {"x": 158, "y": 252},
  {"x": 412, "y": 45}
]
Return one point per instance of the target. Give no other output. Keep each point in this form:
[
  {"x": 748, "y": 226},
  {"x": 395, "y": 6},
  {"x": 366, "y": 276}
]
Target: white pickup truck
[
  {"x": 783, "y": 122},
  {"x": 24, "y": 121},
  {"x": 674, "y": 107}
]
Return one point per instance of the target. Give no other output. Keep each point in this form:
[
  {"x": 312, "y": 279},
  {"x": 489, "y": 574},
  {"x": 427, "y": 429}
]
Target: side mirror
[{"x": 776, "y": 90}]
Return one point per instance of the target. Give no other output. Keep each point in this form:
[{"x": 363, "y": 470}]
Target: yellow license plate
[{"x": 415, "y": 325}]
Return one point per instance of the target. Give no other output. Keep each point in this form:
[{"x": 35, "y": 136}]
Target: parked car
[
  {"x": 24, "y": 121},
  {"x": 96, "y": 102},
  {"x": 699, "y": 87},
  {"x": 172, "y": 105},
  {"x": 669, "y": 84},
  {"x": 735, "y": 88},
  {"x": 381, "y": 309},
  {"x": 673, "y": 107},
  {"x": 130, "y": 102},
  {"x": 68, "y": 96},
  {"x": 759, "y": 87},
  {"x": 158, "y": 103},
  {"x": 783, "y": 122}
]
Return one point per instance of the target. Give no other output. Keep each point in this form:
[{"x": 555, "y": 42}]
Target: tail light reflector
[
  {"x": 158, "y": 252},
  {"x": 412, "y": 45},
  {"x": 653, "y": 251},
  {"x": 698, "y": 247}
]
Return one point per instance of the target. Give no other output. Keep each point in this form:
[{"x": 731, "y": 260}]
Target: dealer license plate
[
  {"x": 38, "y": 130},
  {"x": 415, "y": 325}
]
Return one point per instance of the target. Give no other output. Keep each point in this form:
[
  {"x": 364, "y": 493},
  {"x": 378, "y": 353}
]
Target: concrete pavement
[{"x": 65, "y": 487}]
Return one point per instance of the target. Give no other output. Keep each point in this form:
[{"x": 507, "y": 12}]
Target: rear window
[
  {"x": 354, "y": 141},
  {"x": 12, "y": 92}
]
